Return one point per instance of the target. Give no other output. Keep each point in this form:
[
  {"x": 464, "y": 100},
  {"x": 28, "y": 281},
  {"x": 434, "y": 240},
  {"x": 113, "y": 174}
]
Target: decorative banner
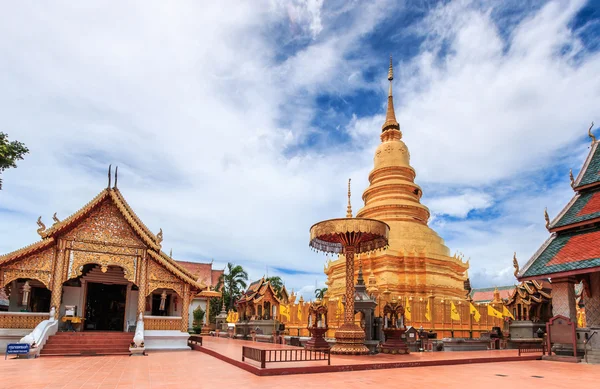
[
  {"x": 475, "y": 312},
  {"x": 284, "y": 310},
  {"x": 428, "y": 312},
  {"x": 407, "y": 311},
  {"x": 506, "y": 313},
  {"x": 454, "y": 312},
  {"x": 494, "y": 313},
  {"x": 299, "y": 312}
]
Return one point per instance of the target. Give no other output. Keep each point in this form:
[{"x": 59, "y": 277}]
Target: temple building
[
  {"x": 100, "y": 269},
  {"x": 205, "y": 274},
  {"x": 417, "y": 263},
  {"x": 488, "y": 295},
  {"x": 571, "y": 254}
]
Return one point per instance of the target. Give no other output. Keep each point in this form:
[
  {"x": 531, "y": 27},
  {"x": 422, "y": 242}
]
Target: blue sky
[{"x": 236, "y": 126}]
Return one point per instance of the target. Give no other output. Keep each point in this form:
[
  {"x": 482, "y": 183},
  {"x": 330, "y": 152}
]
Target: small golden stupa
[{"x": 416, "y": 263}]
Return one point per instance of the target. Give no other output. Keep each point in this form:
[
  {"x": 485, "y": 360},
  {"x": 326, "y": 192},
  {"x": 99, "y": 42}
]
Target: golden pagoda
[{"x": 416, "y": 263}]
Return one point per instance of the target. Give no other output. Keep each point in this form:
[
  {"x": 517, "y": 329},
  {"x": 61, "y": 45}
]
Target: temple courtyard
[{"x": 194, "y": 369}]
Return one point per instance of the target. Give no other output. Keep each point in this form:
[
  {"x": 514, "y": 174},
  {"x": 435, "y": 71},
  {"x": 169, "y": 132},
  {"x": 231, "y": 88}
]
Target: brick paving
[{"x": 192, "y": 369}]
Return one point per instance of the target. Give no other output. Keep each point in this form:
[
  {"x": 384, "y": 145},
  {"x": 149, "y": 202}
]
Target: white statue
[
  {"x": 163, "y": 300},
  {"x": 26, "y": 291}
]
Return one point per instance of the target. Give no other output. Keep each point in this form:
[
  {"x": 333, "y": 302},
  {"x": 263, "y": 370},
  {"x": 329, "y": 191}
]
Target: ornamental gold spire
[
  {"x": 592, "y": 137},
  {"x": 390, "y": 115},
  {"x": 349, "y": 209}
]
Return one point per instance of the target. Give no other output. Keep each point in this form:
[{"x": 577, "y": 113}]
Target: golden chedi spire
[
  {"x": 390, "y": 115},
  {"x": 416, "y": 259}
]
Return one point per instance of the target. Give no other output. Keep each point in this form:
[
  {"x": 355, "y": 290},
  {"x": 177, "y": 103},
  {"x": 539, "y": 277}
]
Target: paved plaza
[{"x": 192, "y": 369}]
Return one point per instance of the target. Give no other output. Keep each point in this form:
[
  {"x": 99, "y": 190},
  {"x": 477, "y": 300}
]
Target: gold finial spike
[
  {"x": 109, "y": 169},
  {"x": 159, "y": 236},
  {"x": 547, "y": 218},
  {"x": 590, "y": 133},
  {"x": 571, "y": 177},
  {"x": 116, "y": 177},
  {"x": 56, "y": 219},
  {"x": 390, "y": 116},
  {"x": 516, "y": 265},
  {"x": 349, "y": 209}
]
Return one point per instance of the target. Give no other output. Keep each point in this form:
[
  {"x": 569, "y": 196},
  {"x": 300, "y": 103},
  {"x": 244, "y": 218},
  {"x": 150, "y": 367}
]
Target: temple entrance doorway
[{"x": 105, "y": 307}]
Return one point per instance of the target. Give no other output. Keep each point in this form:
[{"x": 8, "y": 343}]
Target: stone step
[
  {"x": 85, "y": 346},
  {"x": 87, "y": 343}
]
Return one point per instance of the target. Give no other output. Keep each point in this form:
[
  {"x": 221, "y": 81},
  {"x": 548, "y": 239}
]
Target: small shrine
[
  {"x": 394, "y": 329},
  {"x": 317, "y": 326},
  {"x": 531, "y": 306}
]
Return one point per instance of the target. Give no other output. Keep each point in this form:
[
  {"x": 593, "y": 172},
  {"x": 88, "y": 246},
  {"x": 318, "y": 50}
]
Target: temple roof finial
[
  {"x": 590, "y": 133},
  {"x": 349, "y": 209},
  {"x": 109, "y": 169},
  {"x": 116, "y": 177},
  {"x": 390, "y": 115}
]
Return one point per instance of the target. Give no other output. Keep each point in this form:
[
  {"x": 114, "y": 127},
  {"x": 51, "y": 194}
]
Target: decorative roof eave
[
  {"x": 562, "y": 212},
  {"x": 577, "y": 183},
  {"x": 528, "y": 288},
  {"x": 536, "y": 299},
  {"x": 60, "y": 226},
  {"x": 135, "y": 216},
  {"x": 27, "y": 250},
  {"x": 209, "y": 294},
  {"x": 173, "y": 269},
  {"x": 562, "y": 274},
  {"x": 544, "y": 294},
  {"x": 574, "y": 225},
  {"x": 521, "y": 274},
  {"x": 539, "y": 286}
]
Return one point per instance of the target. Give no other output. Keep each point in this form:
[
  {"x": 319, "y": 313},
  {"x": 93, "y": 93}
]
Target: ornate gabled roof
[
  {"x": 32, "y": 248},
  {"x": 148, "y": 237},
  {"x": 565, "y": 252},
  {"x": 170, "y": 265},
  {"x": 257, "y": 290},
  {"x": 487, "y": 294},
  {"x": 530, "y": 291},
  {"x": 589, "y": 175}
]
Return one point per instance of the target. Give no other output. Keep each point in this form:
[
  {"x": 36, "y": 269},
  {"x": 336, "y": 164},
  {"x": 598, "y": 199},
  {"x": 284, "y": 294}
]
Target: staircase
[{"x": 87, "y": 343}]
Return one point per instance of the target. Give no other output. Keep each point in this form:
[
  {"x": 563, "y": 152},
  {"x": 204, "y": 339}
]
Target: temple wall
[
  {"x": 195, "y": 304},
  {"x": 592, "y": 304},
  {"x": 563, "y": 299}
]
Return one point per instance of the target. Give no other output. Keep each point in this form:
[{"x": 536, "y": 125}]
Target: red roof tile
[
  {"x": 202, "y": 271},
  {"x": 578, "y": 248},
  {"x": 592, "y": 206},
  {"x": 489, "y": 295}
]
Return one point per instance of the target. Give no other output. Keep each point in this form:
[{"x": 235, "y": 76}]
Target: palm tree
[
  {"x": 233, "y": 282},
  {"x": 277, "y": 284},
  {"x": 320, "y": 293}
]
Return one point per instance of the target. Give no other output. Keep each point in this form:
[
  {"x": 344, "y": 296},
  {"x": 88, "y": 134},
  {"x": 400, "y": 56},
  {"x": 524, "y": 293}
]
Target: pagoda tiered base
[
  {"x": 394, "y": 344},
  {"x": 350, "y": 340},
  {"x": 317, "y": 341}
]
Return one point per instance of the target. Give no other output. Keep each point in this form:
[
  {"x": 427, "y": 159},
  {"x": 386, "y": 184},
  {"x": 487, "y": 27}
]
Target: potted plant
[{"x": 198, "y": 319}]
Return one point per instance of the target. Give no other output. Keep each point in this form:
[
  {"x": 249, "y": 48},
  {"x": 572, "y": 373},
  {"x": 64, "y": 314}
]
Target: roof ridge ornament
[
  {"x": 516, "y": 265},
  {"x": 159, "y": 237},
  {"x": 547, "y": 218},
  {"x": 56, "y": 219},
  {"x": 109, "y": 170},
  {"x": 42, "y": 226},
  {"x": 571, "y": 178},
  {"x": 349, "y": 209},
  {"x": 590, "y": 133},
  {"x": 116, "y": 177}
]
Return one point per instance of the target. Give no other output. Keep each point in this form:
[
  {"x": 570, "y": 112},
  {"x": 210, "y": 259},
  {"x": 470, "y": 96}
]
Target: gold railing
[
  {"x": 164, "y": 323},
  {"x": 22, "y": 320}
]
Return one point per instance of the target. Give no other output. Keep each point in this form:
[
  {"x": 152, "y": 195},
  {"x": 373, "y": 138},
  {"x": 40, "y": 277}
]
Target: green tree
[
  {"x": 320, "y": 293},
  {"x": 10, "y": 153},
  {"x": 232, "y": 283},
  {"x": 277, "y": 284}
]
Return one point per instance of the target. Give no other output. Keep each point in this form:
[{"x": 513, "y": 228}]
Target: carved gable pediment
[
  {"x": 159, "y": 277},
  {"x": 105, "y": 223},
  {"x": 36, "y": 266}
]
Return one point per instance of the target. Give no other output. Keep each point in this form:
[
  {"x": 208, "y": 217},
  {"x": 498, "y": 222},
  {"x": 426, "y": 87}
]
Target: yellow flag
[
  {"x": 407, "y": 312},
  {"x": 340, "y": 306},
  {"x": 428, "y": 312},
  {"x": 506, "y": 313},
  {"x": 229, "y": 319},
  {"x": 493, "y": 312},
  {"x": 454, "y": 312},
  {"x": 284, "y": 311},
  {"x": 475, "y": 312},
  {"x": 299, "y": 312}
]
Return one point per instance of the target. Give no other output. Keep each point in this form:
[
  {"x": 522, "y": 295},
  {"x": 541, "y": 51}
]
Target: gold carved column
[
  {"x": 57, "y": 278},
  {"x": 185, "y": 308},
  {"x": 142, "y": 286}
]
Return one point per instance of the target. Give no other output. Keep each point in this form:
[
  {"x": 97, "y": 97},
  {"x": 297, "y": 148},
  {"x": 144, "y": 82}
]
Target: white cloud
[{"x": 199, "y": 108}]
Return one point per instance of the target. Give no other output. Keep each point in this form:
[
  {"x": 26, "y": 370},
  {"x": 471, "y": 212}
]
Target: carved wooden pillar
[
  {"x": 185, "y": 308},
  {"x": 57, "y": 278},
  {"x": 563, "y": 298},
  {"x": 142, "y": 286}
]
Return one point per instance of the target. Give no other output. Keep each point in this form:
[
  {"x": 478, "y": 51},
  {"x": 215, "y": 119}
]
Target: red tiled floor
[{"x": 193, "y": 369}]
